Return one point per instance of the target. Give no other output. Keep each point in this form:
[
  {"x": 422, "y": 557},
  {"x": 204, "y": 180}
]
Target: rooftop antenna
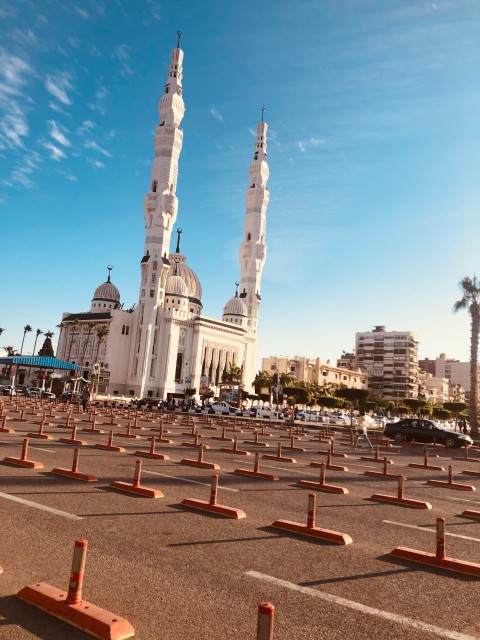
[
  {"x": 263, "y": 111},
  {"x": 179, "y": 34},
  {"x": 109, "y": 267},
  {"x": 179, "y": 232}
]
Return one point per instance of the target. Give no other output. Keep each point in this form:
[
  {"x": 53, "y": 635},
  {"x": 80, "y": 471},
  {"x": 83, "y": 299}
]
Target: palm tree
[
  {"x": 11, "y": 351},
  {"x": 38, "y": 333},
  {"x": 91, "y": 327},
  {"x": 263, "y": 380},
  {"x": 1, "y": 331},
  {"x": 75, "y": 324},
  {"x": 26, "y": 329},
  {"x": 102, "y": 333},
  {"x": 470, "y": 300}
]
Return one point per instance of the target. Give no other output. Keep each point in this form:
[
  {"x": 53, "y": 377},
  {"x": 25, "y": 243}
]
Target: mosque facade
[{"x": 163, "y": 345}]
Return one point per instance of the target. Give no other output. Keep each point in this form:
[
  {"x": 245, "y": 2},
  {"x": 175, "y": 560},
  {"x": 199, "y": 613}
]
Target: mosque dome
[
  {"x": 235, "y": 307},
  {"x": 189, "y": 277},
  {"x": 176, "y": 285},
  {"x": 106, "y": 295}
]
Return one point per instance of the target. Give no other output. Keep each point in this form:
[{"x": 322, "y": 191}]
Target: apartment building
[
  {"x": 314, "y": 370},
  {"x": 456, "y": 372},
  {"x": 390, "y": 359}
]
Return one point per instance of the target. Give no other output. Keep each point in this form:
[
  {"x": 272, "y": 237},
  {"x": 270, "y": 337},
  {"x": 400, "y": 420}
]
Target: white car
[
  {"x": 222, "y": 408},
  {"x": 266, "y": 412}
]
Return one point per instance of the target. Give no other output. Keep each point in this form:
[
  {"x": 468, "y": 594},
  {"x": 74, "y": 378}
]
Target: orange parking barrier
[
  {"x": 471, "y": 473},
  {"x": 23, "y": 461},
  {"x": 200, "y": 462},
  {"x": 385, "y": 473},
  {"x": 332, "y": 451},
  {"x": 151, "y": 453},
  {"x": 266, "y": 613},
  {"x": 376, "y": 457},
  {"x": 74, "y": 472},
  {"x": 212, "y": 506},
  {"x": 439, "y": 558},
  {"x": 136, "y": 487},
  {"x": 256, "y": 473},
  {"x": 196, "y": 440},
  {"x": 322, "y": 485},
  {"x": 400, "y": 498},
  {"x": 256, "y": 441},
  {"x": 4, "y": 428},
  {"x": 422, "y": 453},
  {"x": 128, "y": 433},
  {"x": 292, "y": 446},
  {"x": 310, "y": 529},
  {"x": 160, "y": 437},
  {"x": 110, "y": 446},
  {"x": 278, "y": 457},
  {"x": 388, "y": 446},
  {"x": 466, "y": 456},
  {"x": 39, "y": 434},
  {"x": 426, "y": 465},
  {"x": 69, "y": 606},
  {"x": 93, "y": 428},
  {"x": 450, "y": 484},
  {"x": 235, "y": 449},
  {"x": 328, "y": 464},
  {"x": 73, "y": 439},
  {"x": 223, "y": 437}
]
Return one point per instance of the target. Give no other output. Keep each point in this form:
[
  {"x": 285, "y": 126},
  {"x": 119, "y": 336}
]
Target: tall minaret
[
  {"x": 160, "y": 212},
  {"x": 253, "y": 248}
]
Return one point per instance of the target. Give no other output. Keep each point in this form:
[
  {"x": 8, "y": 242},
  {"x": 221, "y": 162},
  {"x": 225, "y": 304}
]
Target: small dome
[
  {"x": 235, "y": 307},
  {"x": 106, "y": 293},
  {"x": 176, "y": 285},
  {"x": 189, "y": 276}
]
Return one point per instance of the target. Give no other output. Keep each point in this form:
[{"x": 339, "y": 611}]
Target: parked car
[
  {"x": 266, "y": 412},
  {"x": 422, "y": 430},
  {"x": 146, "y": 403},
  {"x": 8, "y": 390},
  {"x": 223, "y": 408},
  {"x": 33, "y": 391}
]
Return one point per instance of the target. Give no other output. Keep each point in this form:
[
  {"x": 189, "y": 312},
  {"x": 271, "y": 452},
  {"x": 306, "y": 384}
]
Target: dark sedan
[{"x": 422, "y": 430}]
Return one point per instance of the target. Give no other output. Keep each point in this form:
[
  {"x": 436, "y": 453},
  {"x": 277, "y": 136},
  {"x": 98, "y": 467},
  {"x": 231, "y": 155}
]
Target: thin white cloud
[
  {"x": 13, "y": 127},
  {"x": 121, "y": 54},
  {"x": 99, "y": 103},
  {"x": 23, "y": 37},
  {"x": 91, "y": 144},
  {"x": 55, "y": 152},
  {"x": 86, "y": 126},
  {"x": 57, "y": 132},
  {"x": 97, "y": 164},
  {"x": 252, "y": 132},
  {"x": 216, "y": 114},
  {"x": 13, "y": 74},
  {"x": 74, "y": 42},
  {"x": 154, "y": 9},
  {"x": 301, "y": 146},
  {"x": 59, "y": 85},
  {"x": 315, "y": 142},
  {"x": 21, "y": 173},
  {"x": 81, "y": 12}
]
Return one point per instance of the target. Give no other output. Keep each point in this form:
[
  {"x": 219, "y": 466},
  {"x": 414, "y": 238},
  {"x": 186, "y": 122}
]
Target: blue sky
[{"x": 373, "y": 152}]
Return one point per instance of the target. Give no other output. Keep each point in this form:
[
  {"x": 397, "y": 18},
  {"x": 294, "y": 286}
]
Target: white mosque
[{"x": 164, "y": 344}]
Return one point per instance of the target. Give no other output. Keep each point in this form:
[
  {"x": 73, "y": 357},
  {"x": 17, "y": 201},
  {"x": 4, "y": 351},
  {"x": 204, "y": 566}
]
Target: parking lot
[{"x": 175, "y": 573}]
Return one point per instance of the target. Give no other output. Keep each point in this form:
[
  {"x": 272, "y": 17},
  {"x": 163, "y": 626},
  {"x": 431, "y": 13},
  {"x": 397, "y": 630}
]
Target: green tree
[
  {"x": 10, "y": 351},
  {"x": 470, "y": 301},
  {"x": 47, "y": 347},
  {"x": 263, "y": 380},
  {"x": 441, "y": 413},
  {"x": 26, "y": 329},
  {"x": 234, "y": 374},
  {"x": 455, "y": 408},
  {"x": 414, "y": 404},
  {"x": 355, "y": 397},
  {"x": 102, "y": 333}
]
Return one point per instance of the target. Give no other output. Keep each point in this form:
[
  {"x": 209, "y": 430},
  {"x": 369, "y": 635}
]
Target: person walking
[
  {"x": 85, "y": 398},
  {"x": 361, "y": 431}
]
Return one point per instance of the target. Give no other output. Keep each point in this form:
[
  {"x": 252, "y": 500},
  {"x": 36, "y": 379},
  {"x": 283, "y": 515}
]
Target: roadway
[{"x": 179, "y": 574}]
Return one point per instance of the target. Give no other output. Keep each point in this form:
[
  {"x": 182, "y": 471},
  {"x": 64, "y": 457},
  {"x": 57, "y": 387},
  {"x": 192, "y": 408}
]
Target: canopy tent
[{"x": 41, "y": 362}]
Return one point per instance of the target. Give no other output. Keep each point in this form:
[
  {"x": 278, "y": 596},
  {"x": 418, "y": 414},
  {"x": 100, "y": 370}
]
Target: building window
[
  {"x": 178, "y": 368},
  {"x": 152, "y": 293},
  {"x": 154, "y": 186},
  {"x": 292, "y": 369},
  {"x": 126, "y": 331},
  {"x": 123, "y": 330},
  {"x": 273, "y": 367}
]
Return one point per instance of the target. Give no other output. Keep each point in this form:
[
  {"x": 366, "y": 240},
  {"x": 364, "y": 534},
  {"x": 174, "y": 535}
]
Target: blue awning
[{"x": 42, "y": 362}]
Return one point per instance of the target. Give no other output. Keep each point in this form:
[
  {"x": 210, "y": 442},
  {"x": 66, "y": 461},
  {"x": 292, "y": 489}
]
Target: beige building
[
  {"x": 314, "y": 370},
  {"x": 390, "y": 359},
  {"x": 456, "y": 372},
  {"x": 434, "y": 389}
]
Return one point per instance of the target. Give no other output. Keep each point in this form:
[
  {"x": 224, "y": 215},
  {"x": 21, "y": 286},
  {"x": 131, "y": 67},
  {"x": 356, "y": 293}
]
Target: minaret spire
[
  {"x": 109, "y": 267},
  {"x": 253, "y": 249},
  {"x": 179, "y": 233},
  {"x": 179, "y": 34}
]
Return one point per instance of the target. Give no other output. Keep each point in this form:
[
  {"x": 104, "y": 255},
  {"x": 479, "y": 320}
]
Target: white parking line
[
  {"x": 414, "y": 526},
  {"x": 35, "y": 505},
  {"x": 204, "y": 484},
  {"x": 357, "y": 606}
]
